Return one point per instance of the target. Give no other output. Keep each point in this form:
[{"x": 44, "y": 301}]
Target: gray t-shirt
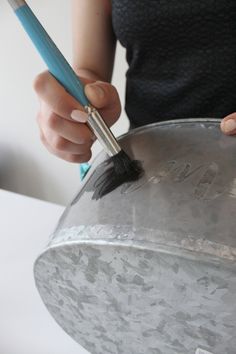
[{"x": 181, "y": 56}]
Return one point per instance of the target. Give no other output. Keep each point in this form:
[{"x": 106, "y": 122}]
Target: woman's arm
[{"x": 94, "y": 42}]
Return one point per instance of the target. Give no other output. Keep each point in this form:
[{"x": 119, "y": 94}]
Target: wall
[{"x": 26, "y": 167}]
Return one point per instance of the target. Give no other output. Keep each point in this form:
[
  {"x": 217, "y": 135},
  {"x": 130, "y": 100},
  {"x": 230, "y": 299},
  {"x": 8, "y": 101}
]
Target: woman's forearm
[{"x": 94, "y": 42}]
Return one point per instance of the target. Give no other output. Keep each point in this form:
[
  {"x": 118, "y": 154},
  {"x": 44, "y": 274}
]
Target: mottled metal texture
[{"x": 151, "y": 267}]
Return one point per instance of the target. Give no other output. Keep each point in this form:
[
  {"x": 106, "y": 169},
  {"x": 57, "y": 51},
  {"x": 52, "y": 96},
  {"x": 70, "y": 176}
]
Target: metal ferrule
[
  {"x": 15, "y": 4},
  {"x": 102, "y": 132}
]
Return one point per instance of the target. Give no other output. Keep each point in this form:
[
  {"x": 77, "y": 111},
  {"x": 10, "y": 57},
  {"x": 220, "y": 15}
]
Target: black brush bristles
[{"x": 117, "y": 170}]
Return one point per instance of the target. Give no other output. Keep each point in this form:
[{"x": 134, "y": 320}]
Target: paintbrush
[{"x": 120, "y": 168}]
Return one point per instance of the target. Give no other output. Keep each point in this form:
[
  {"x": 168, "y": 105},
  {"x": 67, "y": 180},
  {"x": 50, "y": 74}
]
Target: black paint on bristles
[{"x": 119, "y": 169}]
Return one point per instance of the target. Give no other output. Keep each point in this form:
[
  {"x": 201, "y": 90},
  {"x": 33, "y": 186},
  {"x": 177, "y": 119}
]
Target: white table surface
[{"x": 25, "y": 325}]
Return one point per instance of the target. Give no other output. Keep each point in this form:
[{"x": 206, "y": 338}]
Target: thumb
[
  {"x": 102, "y": 94},
  {"x": 228, "y": 124}
]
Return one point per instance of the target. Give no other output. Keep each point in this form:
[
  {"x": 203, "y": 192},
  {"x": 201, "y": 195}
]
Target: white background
[
  {"x": 26, "y": 327},
  {"x": 25, "y": 165}
]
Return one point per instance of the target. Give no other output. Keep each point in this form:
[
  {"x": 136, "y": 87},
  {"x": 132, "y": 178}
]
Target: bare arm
[{"x": 94, "y": 42}]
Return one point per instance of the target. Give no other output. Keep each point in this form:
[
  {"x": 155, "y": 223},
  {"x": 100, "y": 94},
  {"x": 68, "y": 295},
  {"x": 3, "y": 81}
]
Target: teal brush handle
[
  {"x": 55, "y": 61},
  {"x": 63, "y": 72}
]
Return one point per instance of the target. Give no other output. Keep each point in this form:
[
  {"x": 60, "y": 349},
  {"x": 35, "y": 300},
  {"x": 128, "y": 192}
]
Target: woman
[{"x": 181, "y": 57}]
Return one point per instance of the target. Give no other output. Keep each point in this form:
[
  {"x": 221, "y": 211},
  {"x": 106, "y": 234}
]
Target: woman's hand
[
  {"x": 62, "y": 119},
  {"x": 228, "y": 124}
]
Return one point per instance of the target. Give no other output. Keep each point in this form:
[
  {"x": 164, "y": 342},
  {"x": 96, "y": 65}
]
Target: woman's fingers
[
  {"x": 66, "y": 150},
  {"x": 62, "y": 119},
  {"x": 228, "y": 124},
  {"x": 105, "y": 98},
  {"x": 77, "y": 133},
  {"x": 55, "y": 96}
]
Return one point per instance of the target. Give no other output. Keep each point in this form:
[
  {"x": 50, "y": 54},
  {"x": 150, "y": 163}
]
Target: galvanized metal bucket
[{"x": 151, "y": 267}]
